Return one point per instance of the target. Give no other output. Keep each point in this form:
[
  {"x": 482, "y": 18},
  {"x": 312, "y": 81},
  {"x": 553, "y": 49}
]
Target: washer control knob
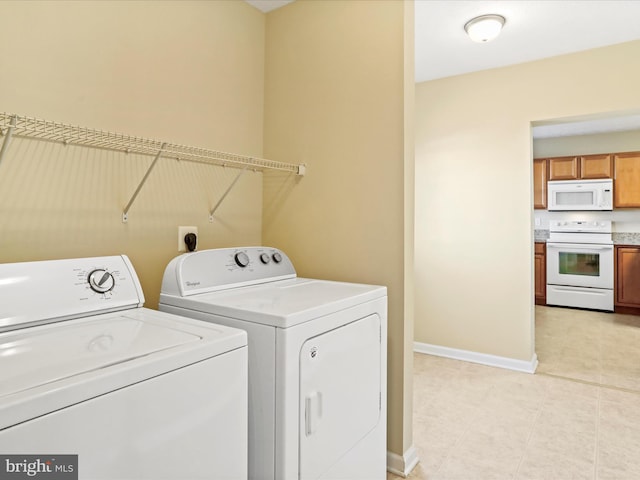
[
  {"x": 242, "y": 259},
  {"x": 277, "y": 257},
  {"x": 101, "y": 281},
  {"x": 265, "y": 258}
]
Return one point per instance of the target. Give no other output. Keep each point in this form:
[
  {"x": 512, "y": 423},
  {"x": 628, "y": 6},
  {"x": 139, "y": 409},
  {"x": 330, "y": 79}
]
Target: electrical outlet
[{"x": 182, "y": 231}]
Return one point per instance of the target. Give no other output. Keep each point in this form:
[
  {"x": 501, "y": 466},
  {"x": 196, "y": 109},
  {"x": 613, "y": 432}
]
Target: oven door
[{"x": 580, "y": 265}]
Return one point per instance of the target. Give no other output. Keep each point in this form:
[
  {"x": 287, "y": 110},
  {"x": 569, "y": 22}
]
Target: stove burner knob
[
  {"x": 277, "y": 257},
  {"x": 265, "y": 258},
  {"x": 101, "y": 281},
  {"x": 242, "y": 259}
]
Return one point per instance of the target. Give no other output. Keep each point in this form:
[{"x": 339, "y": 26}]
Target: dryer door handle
[{"x": 312, "y": 412}]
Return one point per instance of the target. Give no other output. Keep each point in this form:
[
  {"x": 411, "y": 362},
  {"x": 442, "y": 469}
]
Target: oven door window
[{"x": 571, "y": 263}]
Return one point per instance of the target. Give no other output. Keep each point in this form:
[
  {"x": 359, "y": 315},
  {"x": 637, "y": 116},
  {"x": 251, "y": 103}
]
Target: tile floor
[
  {"x": 602, "y": 348},
  {"x": 578, "y": 417}
]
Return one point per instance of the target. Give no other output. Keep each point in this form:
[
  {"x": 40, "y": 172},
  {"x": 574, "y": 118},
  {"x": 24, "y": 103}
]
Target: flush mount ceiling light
[{"x": 484, "y": 28}]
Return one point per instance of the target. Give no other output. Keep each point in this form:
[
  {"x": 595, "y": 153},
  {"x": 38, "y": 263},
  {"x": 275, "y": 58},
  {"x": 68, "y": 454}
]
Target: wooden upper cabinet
[
  {"x": 540, "y": 183},
  {"x": 596, "y": 166},
  {"x": 626, "y": 180},
  {"x": 564, "y": 168},
  {"x": 585, "y": 167}
]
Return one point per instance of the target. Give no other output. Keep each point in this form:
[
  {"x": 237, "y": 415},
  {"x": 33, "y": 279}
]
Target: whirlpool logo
[{"x": 49, "y": 467}]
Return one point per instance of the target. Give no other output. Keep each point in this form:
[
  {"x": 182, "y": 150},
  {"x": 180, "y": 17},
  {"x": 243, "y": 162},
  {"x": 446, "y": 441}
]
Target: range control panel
[
  {"x": 595, "y": 226},
  {"x": 36, "y": 292},
  {"x": 222, "y": 268}
]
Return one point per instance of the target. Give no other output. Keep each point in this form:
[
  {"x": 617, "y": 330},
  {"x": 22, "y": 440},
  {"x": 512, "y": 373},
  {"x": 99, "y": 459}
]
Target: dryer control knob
[
  {"x": 242, "y": 259},
  {"x": 277, "y": 257},
  {"x": 265, "y": 258},
  {"x": 101, "y": 281}
]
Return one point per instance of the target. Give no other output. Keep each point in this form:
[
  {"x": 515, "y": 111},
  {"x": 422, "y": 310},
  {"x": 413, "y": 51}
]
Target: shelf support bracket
[
  {"x": 224, "y": 195},
  {"x": 125, "y": 212},
  {"x": 7, "y": 137}
]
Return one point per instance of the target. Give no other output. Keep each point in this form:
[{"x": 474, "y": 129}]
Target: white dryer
[
  {"x": 317, "y": 359},
  {"x": 134, "y": 393}
]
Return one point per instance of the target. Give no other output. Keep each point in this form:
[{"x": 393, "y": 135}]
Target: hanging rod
[
  {"x": 12, "y": 125},
  {"x": 34, "y": 128}
]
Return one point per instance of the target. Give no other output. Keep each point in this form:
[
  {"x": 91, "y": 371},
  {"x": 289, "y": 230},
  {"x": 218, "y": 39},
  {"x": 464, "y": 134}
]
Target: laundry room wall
[
  {"x": 186, "y": 72},
  {"x": 339, "y": 97},
  {"x": 474, "y": 190}
]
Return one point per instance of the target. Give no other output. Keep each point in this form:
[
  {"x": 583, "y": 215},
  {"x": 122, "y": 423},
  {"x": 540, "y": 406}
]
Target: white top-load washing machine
[
  {"x": 317, "y": 359},
  {"x": 134, "y": 393}
]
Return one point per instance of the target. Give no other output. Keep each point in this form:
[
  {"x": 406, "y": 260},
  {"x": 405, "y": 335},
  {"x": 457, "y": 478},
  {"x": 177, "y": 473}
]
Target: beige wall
[
  {"x": 178, "y": 71},
  {"x": 474, "y": 245},
  {"x": 612, "y": 142},
  {"x": 334, "y": 99}
]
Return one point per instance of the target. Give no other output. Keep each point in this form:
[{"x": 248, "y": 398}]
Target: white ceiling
[
  {"x": 268, "y": 5},
  {"x": 619, "y": 122},
  {"x": 534, "y": 29}
]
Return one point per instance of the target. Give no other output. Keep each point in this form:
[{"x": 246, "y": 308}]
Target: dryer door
[{"x": 340, "y": 393}]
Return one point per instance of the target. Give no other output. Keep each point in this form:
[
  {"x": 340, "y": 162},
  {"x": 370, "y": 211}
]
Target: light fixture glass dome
[{"x": 484, "y": 28}]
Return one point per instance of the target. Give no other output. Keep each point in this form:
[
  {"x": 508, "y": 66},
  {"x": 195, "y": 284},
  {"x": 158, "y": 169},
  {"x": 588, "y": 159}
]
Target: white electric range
[{"x": 580, "y": 264}]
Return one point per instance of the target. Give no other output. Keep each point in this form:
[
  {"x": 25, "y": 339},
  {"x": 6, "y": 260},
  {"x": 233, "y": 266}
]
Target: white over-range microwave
[{"x": 580, "y": 194}]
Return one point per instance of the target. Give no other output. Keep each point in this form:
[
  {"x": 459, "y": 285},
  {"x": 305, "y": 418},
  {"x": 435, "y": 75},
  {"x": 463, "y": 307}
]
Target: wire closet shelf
[{"x": 12, "y": 125}]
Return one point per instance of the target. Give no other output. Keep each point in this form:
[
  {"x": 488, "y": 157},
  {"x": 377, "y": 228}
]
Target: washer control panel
[
  {"x": 219, "y": 269},
  {"x": 37, "y": 292}
]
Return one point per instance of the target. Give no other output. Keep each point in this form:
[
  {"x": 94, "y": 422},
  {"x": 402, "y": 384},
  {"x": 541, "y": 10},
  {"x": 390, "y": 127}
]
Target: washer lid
[
  {"x": 30, "y": 359},
  {"x": 50, "y": 367},
  {"x": 283, "y": 303}
]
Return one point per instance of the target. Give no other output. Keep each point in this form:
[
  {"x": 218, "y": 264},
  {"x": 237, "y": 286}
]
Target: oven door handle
[
  {"x": 589, "y": 290},
  {"x": 579, "y": 246}
]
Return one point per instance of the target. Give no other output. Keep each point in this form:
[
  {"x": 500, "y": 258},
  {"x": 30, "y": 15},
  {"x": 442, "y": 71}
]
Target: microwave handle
[{"x": 608, "y": 202}]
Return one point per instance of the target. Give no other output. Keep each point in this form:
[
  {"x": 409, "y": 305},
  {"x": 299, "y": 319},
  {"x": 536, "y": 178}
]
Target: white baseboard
[
  {"x": 475, "y": 357},
  {"x": 402, "y": 465}
]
